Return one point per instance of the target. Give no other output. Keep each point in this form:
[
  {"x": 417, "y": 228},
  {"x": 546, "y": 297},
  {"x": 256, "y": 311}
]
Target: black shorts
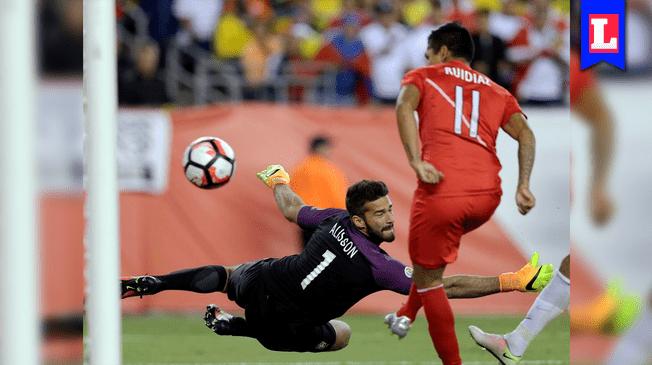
[{"x": 267, "y": 318}]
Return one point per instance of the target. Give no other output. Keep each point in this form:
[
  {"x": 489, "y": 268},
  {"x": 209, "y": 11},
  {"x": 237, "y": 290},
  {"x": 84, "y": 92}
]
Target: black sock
[{"x": 205, "y": 279}]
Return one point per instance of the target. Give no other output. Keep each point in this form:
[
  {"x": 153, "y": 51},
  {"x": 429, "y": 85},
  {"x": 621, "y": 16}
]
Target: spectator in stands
[
  {"x": 310, "y": 41},
  {"x": 61, "y": 45},
  {"x": 352, "y": 7},
  {"x": 347, "y": 53},
  {"x": 325, "y": 12},
  {"x": 198, "y": 20},
  {"x": 415, "y": 45},
  {"x": 369, "y": 5},
  {"x": 383, "y": 40},
  {"x": 126, "y": 64},
  {"x": 162, "y": 24},
  {"x": 461, "y": 11},
  {"x": 261, "y": 59},
  {"x": 143, "y": 84},
  {"x": 489, "y": 57},
  {"x": 283, "y": 8},
  {"x": 301, "y": 44},
  {"x": 506, "y": 23},
  {"x": 541, "y": 52},
  {"x": 231, "y": 33},
  {"x": 316, "y": 179}
]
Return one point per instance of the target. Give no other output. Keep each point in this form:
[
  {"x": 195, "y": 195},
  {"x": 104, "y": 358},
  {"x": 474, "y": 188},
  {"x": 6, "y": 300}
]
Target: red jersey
[{"x": 460, "y": 112}]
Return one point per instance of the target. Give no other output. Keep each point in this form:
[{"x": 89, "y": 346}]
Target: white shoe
[
  {"x": 398, "y": 325},
  {"x": 495, "y": 344}
]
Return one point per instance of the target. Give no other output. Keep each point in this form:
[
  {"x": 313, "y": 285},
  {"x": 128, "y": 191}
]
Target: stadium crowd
[
  {"x": 366, "y": 46},
  {"x": 322, "y": 51}
]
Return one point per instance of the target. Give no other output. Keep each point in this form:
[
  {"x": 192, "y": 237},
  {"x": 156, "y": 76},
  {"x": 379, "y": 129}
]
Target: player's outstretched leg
[
  {"x": 531, "y": 278},
  {"x": 552, "y": 302},
  {"x": 495, "y": 344},
  {"x": 441, "y": 321},
  {"x": 205, "y": 279},
  {"x": 139, "y": 285}
]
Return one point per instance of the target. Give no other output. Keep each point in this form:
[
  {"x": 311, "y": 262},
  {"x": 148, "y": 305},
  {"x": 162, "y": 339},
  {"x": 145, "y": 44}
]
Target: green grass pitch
[{"x": 184, "y": 340}]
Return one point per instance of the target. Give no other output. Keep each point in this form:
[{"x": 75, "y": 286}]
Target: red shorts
[{"x": 438, "y": 223}]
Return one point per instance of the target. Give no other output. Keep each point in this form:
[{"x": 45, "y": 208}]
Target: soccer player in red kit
[
  {"x": 609, "y": 312},
  {"x": 460, "y": 112}
]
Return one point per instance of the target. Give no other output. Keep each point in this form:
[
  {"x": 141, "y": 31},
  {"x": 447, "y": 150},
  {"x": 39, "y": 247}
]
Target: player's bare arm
[
  {"x": 406, "y": 104},
  {"x": 530, "y": 278},
  {"x": 470, "y": 286},
  {"x": 592, "y": 107},
  {"x": 289, "y": 203},
  {"x": 518, "y": 129}
]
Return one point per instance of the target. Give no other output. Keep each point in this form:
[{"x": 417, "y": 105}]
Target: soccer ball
[{"x": 209, "y": 162}]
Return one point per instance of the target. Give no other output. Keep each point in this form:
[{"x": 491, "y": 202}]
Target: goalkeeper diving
[{"x": 292, "y": 303}]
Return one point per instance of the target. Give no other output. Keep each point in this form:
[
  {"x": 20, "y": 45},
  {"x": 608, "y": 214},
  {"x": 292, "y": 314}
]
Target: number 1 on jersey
[
  {"x": 459, "y": 113},
  {"x": 328, "y": 258}
]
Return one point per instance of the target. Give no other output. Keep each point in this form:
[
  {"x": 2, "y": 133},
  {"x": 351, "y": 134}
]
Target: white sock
[
  {"x": 553, "y": 300},
  {"x": 635, "y": 347}
]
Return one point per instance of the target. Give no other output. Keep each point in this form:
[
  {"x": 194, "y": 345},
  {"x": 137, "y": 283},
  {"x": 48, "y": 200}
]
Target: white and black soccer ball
[{"x": 209, "y": 162}]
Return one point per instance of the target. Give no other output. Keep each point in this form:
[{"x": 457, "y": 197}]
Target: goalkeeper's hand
[
  {"x": 531, "y": 278},
  {"x": 274, "y": 175}
]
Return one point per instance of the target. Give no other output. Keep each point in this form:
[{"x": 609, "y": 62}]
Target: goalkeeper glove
[
  {"x": 531, "y": 278},
  {"x": 274, "y": 175}
]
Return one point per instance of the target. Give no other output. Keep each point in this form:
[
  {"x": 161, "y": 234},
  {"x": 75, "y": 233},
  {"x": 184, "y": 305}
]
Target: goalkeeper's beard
[{"x": 386, "y": 234}]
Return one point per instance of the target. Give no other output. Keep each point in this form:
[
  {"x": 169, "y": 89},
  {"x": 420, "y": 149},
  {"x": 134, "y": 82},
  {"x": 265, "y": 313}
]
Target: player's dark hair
[
  {"x": 454, "y": 36},
  {"x": 362, "y": 192}
]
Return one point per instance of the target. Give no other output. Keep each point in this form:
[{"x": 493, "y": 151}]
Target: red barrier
[{"x": 62, "y": 254}]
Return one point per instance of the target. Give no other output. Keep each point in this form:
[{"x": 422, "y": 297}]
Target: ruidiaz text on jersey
[
  {"x": 466, "y": 75},
  {"x": 347, "y": 245}
]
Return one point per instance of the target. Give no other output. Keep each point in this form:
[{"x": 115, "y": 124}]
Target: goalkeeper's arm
[{"x": 289, "y": 203}]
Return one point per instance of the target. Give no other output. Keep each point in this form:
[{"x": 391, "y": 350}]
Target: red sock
[
  {"x": 441, "y": 324},
  {"x": 412, "y": 306}
]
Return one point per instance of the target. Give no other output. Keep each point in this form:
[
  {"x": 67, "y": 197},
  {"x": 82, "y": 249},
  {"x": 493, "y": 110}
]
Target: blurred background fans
[{"x": 328, "y": 51}]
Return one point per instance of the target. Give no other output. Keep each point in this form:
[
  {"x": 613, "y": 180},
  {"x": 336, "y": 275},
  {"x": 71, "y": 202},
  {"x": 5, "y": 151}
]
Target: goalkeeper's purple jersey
[{"x": 338, "y": 267}]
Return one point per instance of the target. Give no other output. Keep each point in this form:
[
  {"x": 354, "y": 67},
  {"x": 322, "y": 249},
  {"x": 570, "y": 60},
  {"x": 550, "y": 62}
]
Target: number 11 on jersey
[
  {"x": 459, "y": 113},
  {"x": 328, "y": 258}
]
